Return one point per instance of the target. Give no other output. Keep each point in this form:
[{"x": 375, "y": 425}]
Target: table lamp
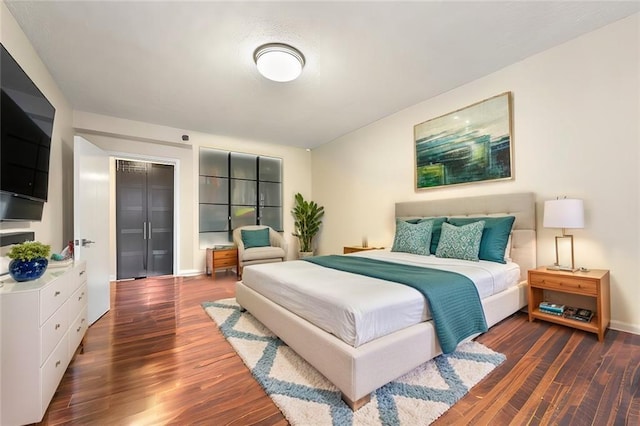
[{"x": 563, "y": 213}]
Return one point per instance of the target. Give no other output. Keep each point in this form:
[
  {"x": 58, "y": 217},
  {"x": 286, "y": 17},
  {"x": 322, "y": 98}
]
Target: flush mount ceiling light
[{"x": 278, "y": 61}]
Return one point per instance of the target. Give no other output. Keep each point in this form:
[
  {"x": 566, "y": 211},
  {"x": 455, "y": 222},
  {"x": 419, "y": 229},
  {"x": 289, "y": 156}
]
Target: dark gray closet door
[
  {"x": 144, "y": 219},
  {"x": 160, "y": 220}
]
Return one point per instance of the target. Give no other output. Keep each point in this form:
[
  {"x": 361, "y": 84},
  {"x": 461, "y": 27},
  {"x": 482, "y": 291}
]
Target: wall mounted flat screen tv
[{"x": 26, "y": 126}]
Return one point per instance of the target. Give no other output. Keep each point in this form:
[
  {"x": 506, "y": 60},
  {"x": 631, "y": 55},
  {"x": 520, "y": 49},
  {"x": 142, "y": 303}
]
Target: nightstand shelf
[{"x": 593, "y": 284}]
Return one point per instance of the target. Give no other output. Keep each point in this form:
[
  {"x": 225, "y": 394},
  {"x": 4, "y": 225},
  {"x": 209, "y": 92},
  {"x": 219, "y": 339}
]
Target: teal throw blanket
[{"x": 452, "y": 297}]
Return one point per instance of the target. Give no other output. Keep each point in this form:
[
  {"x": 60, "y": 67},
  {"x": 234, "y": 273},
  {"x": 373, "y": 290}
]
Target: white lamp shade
[
  {"x": 563, "y": 213},
  {"x": 279, "y": 62}
]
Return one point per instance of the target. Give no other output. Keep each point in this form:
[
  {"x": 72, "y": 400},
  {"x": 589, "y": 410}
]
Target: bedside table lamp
[{"x": 563, "y": 213}]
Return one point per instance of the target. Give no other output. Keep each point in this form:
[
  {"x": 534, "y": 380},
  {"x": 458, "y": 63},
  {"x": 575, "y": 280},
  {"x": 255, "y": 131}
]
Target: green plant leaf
[{"x": 29, "y": 250}]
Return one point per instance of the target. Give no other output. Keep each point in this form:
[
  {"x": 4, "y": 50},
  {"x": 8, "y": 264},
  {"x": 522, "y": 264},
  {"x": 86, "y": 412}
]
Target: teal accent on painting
[
  {"x": 495, "y": 235},
  {"x": 255, "y": 238},
  {"x": 460, "y": 242},
  {"x": 453, "y": 298},
  {"x": 412, "y": 238}
]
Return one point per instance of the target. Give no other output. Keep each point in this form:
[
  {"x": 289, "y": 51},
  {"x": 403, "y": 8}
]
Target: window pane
[
  {"x": 243, "y": 192},
  {"x": 214, "y": 162},
  {"x": 270, "y": 194},
  {"x": 214, "y": 190},
  {"x": 270, "y": 169},
  {"x": 272, "y": 216},
  {"x": 210, "y": 239},
  {"x": 242, "y": 216},
  {"x": 214, "y": 217},
  {"x": 243, "y": 166}
]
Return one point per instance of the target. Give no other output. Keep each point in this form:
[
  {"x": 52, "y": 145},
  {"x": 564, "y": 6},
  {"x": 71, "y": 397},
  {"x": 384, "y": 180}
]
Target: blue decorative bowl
[{"x": 27, "y": 270}]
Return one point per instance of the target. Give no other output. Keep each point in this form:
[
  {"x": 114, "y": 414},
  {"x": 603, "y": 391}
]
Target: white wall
[
  {"x": 56, "y": 227},
  {"x": 148, "y": 141},
  {"x": 576, "y": 133}
]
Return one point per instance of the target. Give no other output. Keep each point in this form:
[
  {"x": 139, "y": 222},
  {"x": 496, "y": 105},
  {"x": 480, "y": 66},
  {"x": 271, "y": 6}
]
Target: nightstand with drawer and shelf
[
  {"x": 592, "y": 287},
  {"x": 218, "y": 258},
  {"x": 355, "y": 249}
]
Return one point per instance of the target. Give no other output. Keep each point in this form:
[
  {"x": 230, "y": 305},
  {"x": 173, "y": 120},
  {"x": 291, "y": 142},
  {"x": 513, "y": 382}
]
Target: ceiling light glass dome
[{"x": 279, "y": 62}]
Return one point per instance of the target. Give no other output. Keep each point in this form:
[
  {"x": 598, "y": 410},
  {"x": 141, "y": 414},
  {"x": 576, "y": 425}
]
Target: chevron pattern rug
[{"x": 305, "y": 397}]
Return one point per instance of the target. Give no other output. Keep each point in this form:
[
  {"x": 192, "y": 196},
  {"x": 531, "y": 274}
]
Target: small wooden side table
[
  {"x": 594, "y": 284},
  {"x": 355, "y": 249},
  {"x": 221, "y": 258}
]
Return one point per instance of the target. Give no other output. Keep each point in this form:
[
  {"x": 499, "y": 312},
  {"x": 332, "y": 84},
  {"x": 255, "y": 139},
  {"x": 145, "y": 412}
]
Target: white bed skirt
[{"x": 359, "y": 371}]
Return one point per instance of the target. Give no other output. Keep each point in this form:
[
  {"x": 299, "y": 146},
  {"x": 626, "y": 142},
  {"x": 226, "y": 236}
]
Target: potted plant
[
  {"x": 29, "y": 260},
  {"x": 307, "y": 216}
]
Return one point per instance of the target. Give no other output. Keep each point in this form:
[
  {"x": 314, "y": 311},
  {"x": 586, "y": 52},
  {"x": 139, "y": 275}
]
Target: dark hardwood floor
[{"x": 156, "y": 358}]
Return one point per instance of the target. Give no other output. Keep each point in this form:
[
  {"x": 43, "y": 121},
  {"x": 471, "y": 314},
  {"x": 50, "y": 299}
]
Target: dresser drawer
[
  {"x": 77, "y": 302},
  {"x": 77, "y": 330},
  {"x": 52, "y": 332},
  {"x": 53, "y": 370},
  {"x": 219, "y": 255},
  {"x": 561, "y": 283},
  {"x": 52, "y": 297},
  {"x": 78, "y": 276}
]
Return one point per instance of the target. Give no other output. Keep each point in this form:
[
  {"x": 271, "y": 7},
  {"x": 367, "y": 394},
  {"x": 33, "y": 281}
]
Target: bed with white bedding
[
  {"x": 333, "y": 300},
  {"x": 362, "y": 332}
]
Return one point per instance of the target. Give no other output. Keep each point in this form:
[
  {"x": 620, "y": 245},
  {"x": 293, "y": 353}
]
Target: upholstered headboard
[{"x": 520, "y": 205}]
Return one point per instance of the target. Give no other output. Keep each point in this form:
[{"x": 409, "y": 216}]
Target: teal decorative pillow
[
  {"x": 495, "y": 235},
  {"x": 255, "y": 238},
  {"x": 412, "y": 237},
  {"x": 460, "y": 242},
  {"x": 435, "y": 232}
]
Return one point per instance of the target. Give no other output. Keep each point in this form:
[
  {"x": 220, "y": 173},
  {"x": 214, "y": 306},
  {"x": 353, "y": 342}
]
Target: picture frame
[{"x": 469, "y": 145}]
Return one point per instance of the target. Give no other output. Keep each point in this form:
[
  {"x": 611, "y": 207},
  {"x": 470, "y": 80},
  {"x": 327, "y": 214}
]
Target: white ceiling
[{"x": 189, "y": 64}]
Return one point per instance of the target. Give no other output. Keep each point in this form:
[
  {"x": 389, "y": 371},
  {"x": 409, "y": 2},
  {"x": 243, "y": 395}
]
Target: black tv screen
[{"x": 26, "y": 126}]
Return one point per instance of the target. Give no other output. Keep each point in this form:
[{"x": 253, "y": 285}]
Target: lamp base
[{"x": 561, "y": 268}]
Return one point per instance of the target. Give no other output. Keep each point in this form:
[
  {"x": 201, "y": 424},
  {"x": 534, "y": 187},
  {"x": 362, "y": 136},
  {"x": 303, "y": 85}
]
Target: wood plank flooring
[{"x": 156, "y": 358}]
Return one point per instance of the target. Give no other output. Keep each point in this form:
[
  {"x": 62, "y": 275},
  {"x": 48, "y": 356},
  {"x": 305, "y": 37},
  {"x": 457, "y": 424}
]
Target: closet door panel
[
  {"x": 160, "y": 215},
  {"x": 131, "y": 217}
]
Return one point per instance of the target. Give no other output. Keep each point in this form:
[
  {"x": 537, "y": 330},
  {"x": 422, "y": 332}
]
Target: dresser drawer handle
[
  {"x": 57, "y": 326},
  {"x": 78, "y": 330},
  {"x": 58, "y": 363},
  {"x": 81, "y": 273},
  {"x": 57, "y": 293},
  {"x": 81, "y": 296},
  {"x": 82, "y": 321}
]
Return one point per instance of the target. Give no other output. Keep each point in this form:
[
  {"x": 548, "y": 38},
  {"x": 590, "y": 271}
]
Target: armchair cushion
[
  {"x": 263, "y": 253},
  {"x": 255, "y": 238}
]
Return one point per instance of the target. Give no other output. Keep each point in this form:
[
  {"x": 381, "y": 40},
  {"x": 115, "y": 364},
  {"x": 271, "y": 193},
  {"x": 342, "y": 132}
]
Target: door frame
[{"x": 116, "y": 155}]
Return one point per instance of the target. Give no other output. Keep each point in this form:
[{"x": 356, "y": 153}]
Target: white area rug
[{"x": 305, "y": 397}]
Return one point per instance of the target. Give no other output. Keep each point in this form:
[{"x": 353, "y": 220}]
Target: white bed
[{"x": 362, "y": 343}]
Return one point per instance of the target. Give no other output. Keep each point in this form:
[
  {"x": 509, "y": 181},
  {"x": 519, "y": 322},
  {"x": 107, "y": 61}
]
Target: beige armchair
[{"x": 275, "y": 252}]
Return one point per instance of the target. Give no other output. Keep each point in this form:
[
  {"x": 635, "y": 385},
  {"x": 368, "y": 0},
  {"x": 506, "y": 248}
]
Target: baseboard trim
[{"x": 626, "y": 327}]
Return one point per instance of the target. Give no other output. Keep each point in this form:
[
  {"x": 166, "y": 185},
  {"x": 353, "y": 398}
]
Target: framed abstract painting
[{"x": 472, "y": 144}]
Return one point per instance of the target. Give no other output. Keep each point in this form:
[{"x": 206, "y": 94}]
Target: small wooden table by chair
[{"x": 222, "y": 258}]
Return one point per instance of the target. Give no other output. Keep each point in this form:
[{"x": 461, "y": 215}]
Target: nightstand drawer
[
  {"x": 219, "y": 255},
  {"x": 225, "y": 262},
  {"x": 560, "y": 283}
]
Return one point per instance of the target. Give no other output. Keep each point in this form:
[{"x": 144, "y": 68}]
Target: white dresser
[{"x": 43, "y": 323}]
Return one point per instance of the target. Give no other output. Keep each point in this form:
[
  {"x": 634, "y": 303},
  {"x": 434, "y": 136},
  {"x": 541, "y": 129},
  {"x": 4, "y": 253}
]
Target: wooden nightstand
[
  {"x": 354, "y": 249},
  {"x": 593, "y": 284},
  {"x": 221, "y": 258}
]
